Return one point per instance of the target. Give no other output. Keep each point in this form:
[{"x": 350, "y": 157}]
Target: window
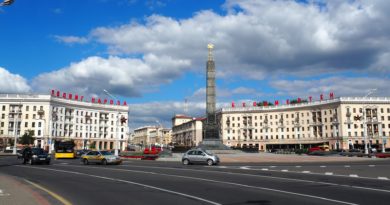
[
  {"x": 33, "y": 124},
  {"x": 35, "y": 108},
  {"x": 354, "y": 110},
  {"x": 381, "y": 110},
  {"x": 3, "y": 107},
  {"x": 26, "y": 116},
  {"x": 39, "y": 124},
  {"x": 26, "y": 124},
  {"x": 2, "y": 124}
]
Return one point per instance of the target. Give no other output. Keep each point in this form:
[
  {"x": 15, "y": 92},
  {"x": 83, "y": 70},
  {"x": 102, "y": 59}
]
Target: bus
[{"x": 64, "y": 149}]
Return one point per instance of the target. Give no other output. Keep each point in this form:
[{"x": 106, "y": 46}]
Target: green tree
[{"x": 27, "y": 138}]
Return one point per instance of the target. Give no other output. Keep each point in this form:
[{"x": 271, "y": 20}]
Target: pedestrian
[{"x": 26, "y": 154}]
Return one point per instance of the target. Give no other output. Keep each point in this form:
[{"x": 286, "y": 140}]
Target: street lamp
[
  {"x": 117, "y": 123},
  {"x": 161, "y": 138},
  {"x": 16, "y": 112},
  {"x": 370, "y": 92}
]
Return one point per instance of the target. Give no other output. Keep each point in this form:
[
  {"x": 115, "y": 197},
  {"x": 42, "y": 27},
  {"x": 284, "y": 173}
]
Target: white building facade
[
  {"x": 49, "y": 117},
  {"x": 187, "y": 131},
  {"x": 341, "y": 123}
]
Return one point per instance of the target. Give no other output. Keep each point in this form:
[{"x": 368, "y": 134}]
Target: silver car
[{"x": 199, "y": 156}]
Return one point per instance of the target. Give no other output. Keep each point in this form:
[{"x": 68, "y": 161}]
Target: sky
[{"x": 152, "y": 53}]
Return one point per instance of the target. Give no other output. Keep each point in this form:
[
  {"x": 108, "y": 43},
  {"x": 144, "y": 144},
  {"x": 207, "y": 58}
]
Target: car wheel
[
  {"x": 186, "y": 162},
  {"x": 104, "y": 162},
  {"x": 85, "y": 161},
  {"x": 30, "y": 161},
  {"x": 48, "y": 162},
  {"x": 210, "y": 162}
]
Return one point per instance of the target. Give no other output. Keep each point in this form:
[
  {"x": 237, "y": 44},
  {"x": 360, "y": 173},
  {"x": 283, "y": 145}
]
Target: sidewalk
[{"x": 14, "y": 191}]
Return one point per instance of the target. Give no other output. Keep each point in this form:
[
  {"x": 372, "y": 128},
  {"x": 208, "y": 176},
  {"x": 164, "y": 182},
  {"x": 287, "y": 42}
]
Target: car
[
  {"x": 38, "y": 155},
  {"x": 100, "y": 157},
  {"x": 80, "y": 152},
  {"x": 199, "y": 156},
  {"x": 19, "y": 154}
]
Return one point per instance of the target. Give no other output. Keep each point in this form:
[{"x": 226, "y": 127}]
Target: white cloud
[
  {"x": 258, "y": 38},
  {"x": 12, "y": 83},
  {"x": 341, "y": 86},
  {"x": 121, "y": 76},
  {"x": 71, "y": 39}
]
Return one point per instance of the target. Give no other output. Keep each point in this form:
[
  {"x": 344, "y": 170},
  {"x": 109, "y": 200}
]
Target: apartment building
[
  {"x": 187, "y": 131},
  {"x": 341, "y": 123},
  {"x": 59, "y": 117}
]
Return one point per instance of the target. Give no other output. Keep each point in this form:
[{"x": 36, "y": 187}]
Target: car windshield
[
  {"x": 38, "y": 151},
  {"x": 106, "y": 153}
]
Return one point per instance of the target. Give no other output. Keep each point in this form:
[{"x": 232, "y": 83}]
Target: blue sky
[{"x": 152, "y": 53}]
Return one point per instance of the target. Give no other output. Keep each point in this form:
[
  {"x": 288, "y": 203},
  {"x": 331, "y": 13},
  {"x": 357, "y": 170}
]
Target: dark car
[{"x": 38, "y": 155}]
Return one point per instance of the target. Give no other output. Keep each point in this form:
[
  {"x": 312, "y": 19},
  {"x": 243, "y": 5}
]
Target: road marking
[
  {"x": 259, "y": 176},
  {"x": 353, "y": 175},
  {"x": 223, "y": 167},
  {"x": 298, "y": 166},
  {"x": 272, "y": 166},
  {"x": 322, "y": 166},
  {"x": 347, "y": 166},
  {"x": 128, "y": 182},
  {"x": 383, "y": 178},
  {"x": 264, "y": 169},
  {"x": 306, "y": 172},
  {"x": 200, "y": 179},
  {"x": 56, "y": 196},
  {"x": 64, "y": 163},
  {"x": 284, "y": 170},
  {"x": 328, "y": 173},
  {"x": 244, "y": 167},
  {"x": 3, "y": 194},
  {"x": 371, "y": 165}
]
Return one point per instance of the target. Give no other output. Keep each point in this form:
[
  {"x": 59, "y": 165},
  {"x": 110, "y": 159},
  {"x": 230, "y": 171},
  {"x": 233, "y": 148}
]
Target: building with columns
[
  {"x": 51, "y": 117},
  {"x": 341, "y": 123}
]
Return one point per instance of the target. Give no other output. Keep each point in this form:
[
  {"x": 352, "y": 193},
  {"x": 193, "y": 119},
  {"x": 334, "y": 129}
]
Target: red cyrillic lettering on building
[
  {"x": 321, "y": 97},
  {"x": 299, "y": 100},
  {"x": 243, "y": 104},
  {"x": 64, "y": 95},
  {"x": 58, "y": 93},
  {"x": 99, "y": 101},
  {"x": 118, "y": 102},
  {"x": 310, "y": 98},
  {"x": 81, "y": 98},
  {"x": 70, "y": 96},
  {"x": 52, "y": 92},
  {"x": 233, "y": 104},
  {"x": 125, "y": 103},
  {"x": 111, "y": 102},
  {"x": 105, "y": 101},
  {"x": 93, "y": 100},
  {"x": 287, "y": 102},
  {"x": 276, "y": 102},
  {"x": 254, "y": 104},
  {"x": 76, "y": 97}
]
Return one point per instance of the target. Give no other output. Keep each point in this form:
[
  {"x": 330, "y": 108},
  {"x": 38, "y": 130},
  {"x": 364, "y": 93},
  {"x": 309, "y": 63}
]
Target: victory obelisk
[{"x": 211, "y": 139}]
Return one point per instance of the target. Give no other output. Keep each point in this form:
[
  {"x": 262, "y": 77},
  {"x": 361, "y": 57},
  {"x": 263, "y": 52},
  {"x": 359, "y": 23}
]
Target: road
[{"x": 156, "y": 182}]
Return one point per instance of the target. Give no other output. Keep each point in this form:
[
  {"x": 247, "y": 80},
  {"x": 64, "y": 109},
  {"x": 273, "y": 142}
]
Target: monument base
[{"x": 212, "y": 144}]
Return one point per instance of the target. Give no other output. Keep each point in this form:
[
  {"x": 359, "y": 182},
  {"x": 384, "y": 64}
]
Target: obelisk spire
[{"x": 210, "y": 47}]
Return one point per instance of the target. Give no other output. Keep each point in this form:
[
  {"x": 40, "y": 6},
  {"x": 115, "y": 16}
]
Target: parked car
[
  {"x": 38, "y": 155},
  {"x": 195, "y": 156},
  {"x": 100, "y": 157}
]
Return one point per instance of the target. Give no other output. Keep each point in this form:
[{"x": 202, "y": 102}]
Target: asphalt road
[{"x": 154, "y": 182}]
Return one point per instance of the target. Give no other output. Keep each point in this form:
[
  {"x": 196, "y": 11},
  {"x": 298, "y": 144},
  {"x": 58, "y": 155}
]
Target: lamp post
[
  {"x": 371, "y": 91},
  {"x": 16, "y": 112},
  {"x": 161, "y": 138},
  {"x": 117, "y": 123}
]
